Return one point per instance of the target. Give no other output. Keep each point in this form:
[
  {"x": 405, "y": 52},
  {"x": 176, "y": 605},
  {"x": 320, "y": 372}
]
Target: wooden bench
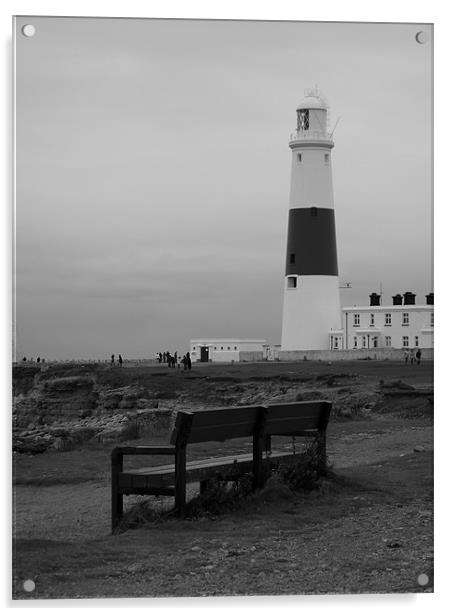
[{"x": 258, "y": 422}]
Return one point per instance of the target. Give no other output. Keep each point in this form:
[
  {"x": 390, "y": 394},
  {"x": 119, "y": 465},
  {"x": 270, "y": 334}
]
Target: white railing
[{"x": 311, "y": 134}]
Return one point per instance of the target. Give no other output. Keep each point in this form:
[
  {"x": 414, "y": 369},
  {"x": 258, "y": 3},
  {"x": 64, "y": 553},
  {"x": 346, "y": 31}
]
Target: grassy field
[{"x": 367, "y": 528}]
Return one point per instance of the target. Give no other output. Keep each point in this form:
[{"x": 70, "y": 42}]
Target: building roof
[{"x": 388, "y": 308}]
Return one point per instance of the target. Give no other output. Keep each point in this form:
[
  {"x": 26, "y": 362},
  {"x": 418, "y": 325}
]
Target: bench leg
[
  {"x": 116, "y": 496},
  {"x": 204, "y": 485},
  {"x": 180, "y": 481},
  {"x": 321, "y": 444},
  {"x": 117, "y": 508}
]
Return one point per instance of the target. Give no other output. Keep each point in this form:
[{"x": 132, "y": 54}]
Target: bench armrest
[{"x": 141, "y": 450}]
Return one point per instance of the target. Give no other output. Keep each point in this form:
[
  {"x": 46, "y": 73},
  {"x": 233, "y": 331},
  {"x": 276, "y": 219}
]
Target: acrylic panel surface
[{"x": 152, "y": 188}]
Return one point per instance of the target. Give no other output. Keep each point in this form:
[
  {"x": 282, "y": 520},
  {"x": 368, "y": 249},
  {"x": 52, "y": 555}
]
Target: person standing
[
  {"x": 418, "y": 356},
  {"x": 188, "y": 361},
  {"x": 120, "y": 360},
  {"x": 412, "y": 356},
  {"x": 112, "y": 359}
]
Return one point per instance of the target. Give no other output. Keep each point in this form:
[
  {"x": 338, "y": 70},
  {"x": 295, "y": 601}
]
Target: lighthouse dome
[{"x": 312, "y": 102}]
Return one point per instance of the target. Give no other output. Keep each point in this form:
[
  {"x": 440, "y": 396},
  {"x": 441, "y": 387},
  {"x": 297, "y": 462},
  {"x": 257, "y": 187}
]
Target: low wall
[
  {"x": 350, "y": 355},
  {"x": 251, "y": 356}
]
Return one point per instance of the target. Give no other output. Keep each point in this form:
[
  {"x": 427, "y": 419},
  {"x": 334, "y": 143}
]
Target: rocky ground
[
  {"x": 62, "y": 406},
  {"x": 368, "y": 528}
]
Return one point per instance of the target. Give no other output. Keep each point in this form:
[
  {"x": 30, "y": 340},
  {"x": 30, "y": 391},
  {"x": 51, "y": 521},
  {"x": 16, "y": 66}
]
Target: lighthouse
[{"x": 311, "y": 307}]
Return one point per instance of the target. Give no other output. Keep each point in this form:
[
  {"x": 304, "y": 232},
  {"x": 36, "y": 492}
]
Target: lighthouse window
[
  {"x": 303, "y": 119},
  {"x": 299, "y": 157},
  {"x": 292, "y": 282},
  {"x": 292, "y": 259},
  {"x": 314, "y": 211}
]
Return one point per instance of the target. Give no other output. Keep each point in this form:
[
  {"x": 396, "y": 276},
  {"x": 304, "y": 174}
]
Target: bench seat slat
[{"x": 163, "y": 476}]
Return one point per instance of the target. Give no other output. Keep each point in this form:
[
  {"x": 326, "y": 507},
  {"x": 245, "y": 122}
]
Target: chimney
[
  {"x": 409, "y": 298},
  {"x": 374, "y": 299},
  {"x": 429, "y": 299},
  {"x": 397, "y": 300}
]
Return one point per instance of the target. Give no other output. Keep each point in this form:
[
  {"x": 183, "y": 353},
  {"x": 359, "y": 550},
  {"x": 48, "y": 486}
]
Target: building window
[
  {"x": 229, "y": 348},
  {"x": 314, "y": 211},
  {"x": 431, "y": 319},
  {"x": 214, "y": 348},
  {"x": 292, "y": 282},
  {"x": 388, "y": 320},
  {"x": 336, "y": 342},
  {"x": 355, "y": 342},
  {"x": 194, "y": 348},
  {"x": 299, "y": 157},
  {"x": 406, "y": 318},
  {"x": 405, "y": 341},
  {"x": 388, "y": 341},
  {"x": 372, "y": 319},
  {"x": 292, "y": 259},
  {"x": 364, "y": 342},
  {"x": 416, "y": 341},
  {"x": 221, "y": 348},
  {"x": 326, "y": 158},
  {"x": 356, "y": 320},
  {"x": 235, "y": 348}
]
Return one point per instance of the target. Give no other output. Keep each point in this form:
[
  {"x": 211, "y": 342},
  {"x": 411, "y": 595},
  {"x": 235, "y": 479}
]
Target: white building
[
  {"x": 403, "y": 324},
  {"x": 227, "y": 349},
  {"x": 311, "y": 306}
]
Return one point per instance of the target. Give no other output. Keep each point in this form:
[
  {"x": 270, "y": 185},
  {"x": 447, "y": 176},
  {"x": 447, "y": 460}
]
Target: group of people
[
  {"x": 112, "y": 360},
  {"x": 412, "y": 356},
  {"x": 174, "y": 361}
]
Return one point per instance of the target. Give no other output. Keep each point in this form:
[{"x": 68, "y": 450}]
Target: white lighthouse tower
[{"x": 311, "y": 310}]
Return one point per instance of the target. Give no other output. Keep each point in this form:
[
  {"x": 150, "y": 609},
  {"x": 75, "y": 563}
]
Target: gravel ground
[{"x": 373, "y": 534}]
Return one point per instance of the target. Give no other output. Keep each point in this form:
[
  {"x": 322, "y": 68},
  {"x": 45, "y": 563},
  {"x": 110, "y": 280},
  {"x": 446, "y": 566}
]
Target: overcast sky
[{"x": 153, "y": 174}]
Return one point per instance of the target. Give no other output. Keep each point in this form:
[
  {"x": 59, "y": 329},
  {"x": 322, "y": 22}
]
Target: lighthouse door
[{"x": 204, "y": 353}]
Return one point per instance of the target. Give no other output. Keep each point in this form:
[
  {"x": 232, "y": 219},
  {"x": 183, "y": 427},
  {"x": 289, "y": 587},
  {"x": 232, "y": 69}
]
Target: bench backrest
[
  {"x": 216, "y": 424},
  {"x": 294, "y": 418}
]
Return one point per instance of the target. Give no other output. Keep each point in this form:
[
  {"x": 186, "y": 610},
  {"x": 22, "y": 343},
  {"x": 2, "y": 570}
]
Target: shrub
[{"x": 303, "y": 474}]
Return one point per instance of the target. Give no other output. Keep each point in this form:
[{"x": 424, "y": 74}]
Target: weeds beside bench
[{"x": 259, "y": 422}]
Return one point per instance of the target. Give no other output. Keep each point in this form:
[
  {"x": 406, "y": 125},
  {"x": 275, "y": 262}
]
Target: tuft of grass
[
  {"x": 142, "y": 513},
  {"x": 220, "y": 497},
  {"x": 303, "y": 474}
]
